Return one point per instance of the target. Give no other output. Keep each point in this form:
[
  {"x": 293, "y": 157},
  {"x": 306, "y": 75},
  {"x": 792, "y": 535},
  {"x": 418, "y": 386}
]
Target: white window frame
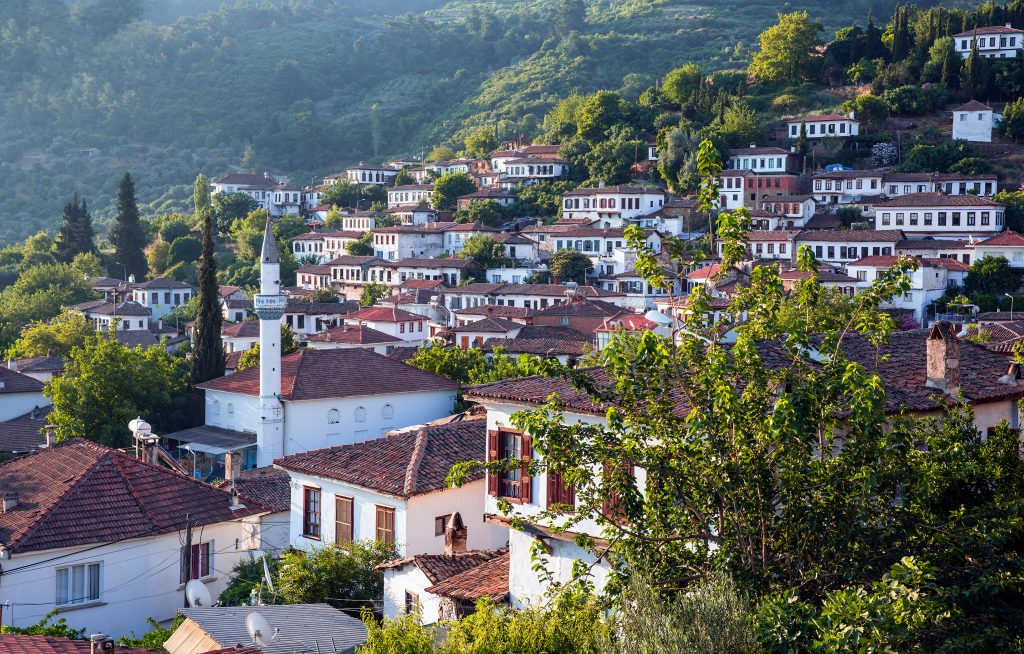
[{"x": 90, "y": 595}]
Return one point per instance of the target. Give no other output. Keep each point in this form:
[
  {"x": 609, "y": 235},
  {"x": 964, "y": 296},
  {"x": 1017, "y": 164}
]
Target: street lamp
[
  {"x": 1011, "y": 305},
  {"x": 118, "y": 263}
]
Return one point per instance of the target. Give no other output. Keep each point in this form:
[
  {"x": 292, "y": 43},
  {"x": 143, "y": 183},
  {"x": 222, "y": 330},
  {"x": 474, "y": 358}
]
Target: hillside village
[{"x": 537, "y": 371}]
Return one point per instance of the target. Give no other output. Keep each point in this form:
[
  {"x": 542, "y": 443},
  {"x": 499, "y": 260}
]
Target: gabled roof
[
  {"x": 582, "y": 307},
  {"x": 535, "y": 290},
  {"x": 385, "y": 314},
  {"x": 542, "y": 340},
  {"x": 854, "y": 236},
  {"x": 818, "y": 118},
  {"x": 79, "y": 493},
  {"x": 438, "y": 567},
  {"x": 15, "y": 382},
  {"x": 403, "y": 464},
  {"x": 973, "y": 105},
  {"x": 937, "y": 199},
  {"x": 304, "y": 628},
  {"x": 311, "y": 374},
  {"x": 1009, "y": 238},
  {"x": 353, "y": 335},
  {"x": 161, "y": 282},
  {"x": 244, "y": 329},
  {"x": 499, "y": 310},
  {"x": 24, "y": 433},
  {"x": 488, "y": 579},
  {"x": 488, "y": 325},
  {"x": 992, "y": 29},
  {"x": 104, "y": 308},
  {"x": 737, "y": 152},
  {"x": 269, "y": 485},
  {"x": 435, "y": 263},
  {"x": 246, "y": 179},
  {"x": 620, "y": 189},
  {"x": 18, "y": 644}
]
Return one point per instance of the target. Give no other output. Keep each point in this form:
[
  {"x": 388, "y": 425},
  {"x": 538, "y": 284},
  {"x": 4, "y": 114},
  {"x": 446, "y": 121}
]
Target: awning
[{"x": 213, "y": 440}]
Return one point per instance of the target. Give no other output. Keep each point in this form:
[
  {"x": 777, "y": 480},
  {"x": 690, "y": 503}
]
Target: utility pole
[{"x": 186, "y": 559}]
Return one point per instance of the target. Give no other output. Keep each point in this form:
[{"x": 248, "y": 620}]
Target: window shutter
[
  {"x": 492, "y": 455},
  {"x": 525, "y": 483}
]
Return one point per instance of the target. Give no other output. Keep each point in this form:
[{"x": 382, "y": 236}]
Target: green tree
[
  {"x": 1013, "y": 120},
  {"x": 404, "y": 177},
  {"x": 787, "y": 49},
  {"x": 334, "y": 219},
  {"x": 106, "y": 384},
  {"x": 570, "y": 16},
  {"x": 482, "y": 212},
  {"x": 228, "y": 207},
  {"x": 251, "y": 357},
  {"x": 448, "y": 188},
  {"x": 361, "y": 247},
  {"x": 342, "y": 576},
  {"x": 41, "y": 292},
  {"x": 173, "y": 230},
  {"x": 57, "y": 337},
  {"x": 342, "y": 193},
  {"x": 75, "y": 235},
  {"x": 991, "y": 276},
  {"x": 156, "y": 257},
  {"x": 598, "y": 114},
  {"x": 976, "y": 74},
  {"x": 740, "y": 125},
  {"x": 58, "y": 628},
  {"x": 871, "y": 109},
  {"x": 485, "y": 251},
  {"x": 247, "y": 233},
  {"x": 201, "y": 203},
  {"x": 37, "y": 250},
  {"x": 570, "y": 266},
  {"x": 373, "y": 293},
  {"x": 155, "y": 637},
  {"x": 440, "y": 153},
  {"x": 611, "y": 161},
  {"x": 1014, "y": 201},
  {"x": 289, "y": 226},
  {"x": 208, "y": 358},
  {"x": 126, "y": 235},
  {"x": 186, "y": 248},
  {"x": 681, "y": 83},
  {"x": 480, "y": 142}
]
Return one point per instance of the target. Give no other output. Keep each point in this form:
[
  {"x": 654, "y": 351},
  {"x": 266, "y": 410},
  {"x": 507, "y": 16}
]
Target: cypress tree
[
  {"x": 951, "y": 69},
  {"x": 75, "y": 234},
  {"x": 127, "y": 236},
  {"x": 208, "y": 355},
  {"x": 872, "y": 39}
]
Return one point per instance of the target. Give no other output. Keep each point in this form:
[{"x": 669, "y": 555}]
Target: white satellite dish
[
  {"x": 259, "y": 629},
  {"x": 198, "y": 594}
]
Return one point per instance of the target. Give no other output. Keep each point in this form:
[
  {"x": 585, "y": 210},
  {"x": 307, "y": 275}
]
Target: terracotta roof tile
[
  {"x": 439, "y": 567},
  {"x": 15, "y": 382},
  {"x": 334, "y": 373},
  {"x": 24, "y": 433},
  {"x": 16, "y": 644},
  {"x": 854, "y": 236},
  {"x": 390, "y": 464},
  {"x": 1009, "y": 238},
  {"x": 244, "y": 329},
  {"x": 354, "y": 335},
  {"x": 384, "y": 314},
  {"x": 488, "y": 325},
  {"x": 937, "y": 199},
  {"x": 268, "y": 485},
  {"x": 488, "y": 579},
  {"x": 543, "y": 341}
]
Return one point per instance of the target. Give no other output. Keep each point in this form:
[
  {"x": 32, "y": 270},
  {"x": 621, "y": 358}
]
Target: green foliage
[
  {"x": 184, "y": 249},
  {"x": 484, "y": 212},
  {"x": 448, "y": 188},
  {"x": 403, "y": 634},
  {"x": 740, "y": 125},
  {"x": 247, "y": 233},
  {"x": 58, "y": 628},
  {"x": 680, "y": 83},
  {"x": 56, "y": 337},
  {"x": 342, "y": 193},
  {"x": 42, "y": 291},
  {"x": 1014, "y": 201},
  {"x": 75, "y": 235},
  {"x": 543, "y": 199},
  {"x": 471, "y": 366},
  {"x": 289, "y": 226},
  {"x": 154, "y": 638},
  {"x": 991, "y": 276},
  {"x": 1013, "y": 120},
  {"x": 485, "y": 250},
  {"x": 334, "y": 219},
  {"x": 127, "y": 235},
  {"x": 598, "y": 114},
  {"x": 247, "y": 585},
  {"x": 440, "y": 153},
  {"x": 913, "y": 100},
  {"x": 342, "y": 576},
  {"x": 480, "y": 142},
  {"x": 786, "y": 49},
  {"x": 936, "y": 158},
  {"x": 208, "y": 358},
  {"x": 570, "y": 266},
  {"x": 251, "y": 357},
  {"x": 229, "y": 207},
  {"x": 362, "y": 246},
  {"x": 871, "y": 109},
  {"x": 172, "y": 230},
  {"x": 373, "y": 293},
  {"x": 106, "y": 384}
]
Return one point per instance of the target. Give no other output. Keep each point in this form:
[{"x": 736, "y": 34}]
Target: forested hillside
[{"x": 169, "y": 89}]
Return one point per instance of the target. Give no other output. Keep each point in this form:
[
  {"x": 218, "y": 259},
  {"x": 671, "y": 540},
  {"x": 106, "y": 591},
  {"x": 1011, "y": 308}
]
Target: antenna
[
  {"x": 266, "y": 575},
  {"x": 259, "y": 629},
  {"x": 197, "y": 594}
]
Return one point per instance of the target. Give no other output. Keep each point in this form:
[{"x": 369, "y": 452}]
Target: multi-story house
[
  {"x": 277, "y": 198},
  {"x": 162, "y": 295},
  {"x": 364, "y": 174},
  {"x": 785, "y": 211},
  {"x": 941, "y": 215},
  {"x": 529, "y": 296},
  {"x": 897, "y": 184},
  {"x": 844, "y": 246},
  {"x": 847, "y": 186},
  {"x": 612, "y": 206},
  {"x": 410, "y": 194},
  {"x": 501, "y": 196},
  {"x": 763, "y": 160},
  {"x": 532, "y": 170},
  {"x": 973, "y": 122},
  {"x": 350, "y": 273},
  {"x": 450, "y": 270},
  {"x": 1009, "y": 245},
  {"x": 932, "y": 279},
  {"x": 998, "y": 41},
  {"x": 823, "y": 126},
  {"x": 402, "y": 241}
]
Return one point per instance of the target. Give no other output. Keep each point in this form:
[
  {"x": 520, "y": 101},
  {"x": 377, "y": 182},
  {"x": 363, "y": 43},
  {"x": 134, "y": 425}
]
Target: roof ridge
[
  {"x": 135, "y": 496},
  {"x": 27, "y": 531},
  {"x": 413, "y": 469}
]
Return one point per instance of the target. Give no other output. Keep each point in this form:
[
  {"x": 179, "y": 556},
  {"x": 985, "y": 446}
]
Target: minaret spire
[{"x": 269, "y": 306}]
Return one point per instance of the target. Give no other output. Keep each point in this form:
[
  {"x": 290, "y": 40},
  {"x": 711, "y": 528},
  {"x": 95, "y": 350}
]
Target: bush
[
  {"x": 172, "y": 231},
  {"x": 184, "y": 250},
  {"x": 914, "y": 100},
  {"x": 343, "y": 577}
]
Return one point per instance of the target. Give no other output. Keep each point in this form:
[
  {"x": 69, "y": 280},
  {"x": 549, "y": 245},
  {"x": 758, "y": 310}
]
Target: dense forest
[{"x": 167, "y": 89}]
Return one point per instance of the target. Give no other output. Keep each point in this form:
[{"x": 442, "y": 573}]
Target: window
[
  {"x": 514, "y": 484},
  {"x": 343, "y": 532},
  {"x": 412, "y": 602},
  {"x": 440, "y": 522},
  {"x": 311, "y": 512},
  {"x": 77, "y": 584},
  {"x": 955, "y": 217},
  {"x": 612, "y": 506},
  {"x": 333, "y": 417},
  {"x": 386, "y": 525},
  {"x": 200, "y": 563},
  {"x": 560, "y": 493},
  {"x": 388, "y": 412},
  {"x": 360, "y": 414},
  {"x": 885, "y": 218}
]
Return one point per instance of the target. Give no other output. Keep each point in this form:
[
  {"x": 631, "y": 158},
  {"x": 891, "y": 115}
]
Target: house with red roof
[
  {"x": 392, "y": 321},
  {"x": 932, "y": 279},
  {"x": 973, "y": 121},
  {"x": 351, "y": 336},
  {"x": 391, "y": 488},
  {"x": 999, "y": 41},
  {"x": 97, "y": 534},
  {"x": 823, "y": 126},
  {"x": 1009, "y": 245}
]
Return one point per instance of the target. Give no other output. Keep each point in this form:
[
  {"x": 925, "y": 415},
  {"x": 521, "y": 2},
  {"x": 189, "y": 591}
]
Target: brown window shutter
[
  {"x": 525, "y": 485},
  {"x": 492, "y": 455},
  {"x": 553, "y": 488}
]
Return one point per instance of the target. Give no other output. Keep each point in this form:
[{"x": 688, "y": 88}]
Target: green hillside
[{"x": 169, "y": 89}]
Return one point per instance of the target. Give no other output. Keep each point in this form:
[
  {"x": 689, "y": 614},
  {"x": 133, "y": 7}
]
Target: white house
[
  {"x": 774, "y": 244},
  {"x": 932, "y": 279},
  {"x": 476, "y": 332},
  {"x": 97, "y": 535},
  {"x": 792, "y": 211},
  {"x": 531, "y": 170},
  {"x": 277, "y": 198},
  {"x": 612, "y": 205},
  {"x": 531, "y": 296},
  {"x": 999, "y": 41},
  {"x": 732, "y": 189},
  {"x": 19, "y": 394},
  {"x": 1009, "y": 245},
  {"x": 410, "y": 194},
  {"x": 941, "y": 215},
  {"x": 843, "y": 246},
  {"x": 314, "y": 276},
  {"x": 392, "y": 321},
  {"x": 351, "y": 336},
  {"x": 897, "y": 184},
  {"x": 450, "y": 270},
  {"x": 240, "y": 336},
  {"x": 824, "y": 126},
  {"x": 162, "y": 295},
  {"x": 391, "y": 489},
  {"x": 847, "y": 186},
  {"x": 371, "y": 175},
  {"x": 973, "y": 122},
  {"x": 761, "y": 159},
  {"x": 129, "y": 316}
]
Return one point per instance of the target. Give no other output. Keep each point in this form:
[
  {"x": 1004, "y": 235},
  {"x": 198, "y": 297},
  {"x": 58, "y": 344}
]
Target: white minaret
[{"x": 269, "y": 306}]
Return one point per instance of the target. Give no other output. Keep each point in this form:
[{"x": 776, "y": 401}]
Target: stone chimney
[
  {"x": 455, "y": 534},
  {"x": 232, "y": 467},
  {"x": 943, "y": 354},
  {"x": 12, "y": 365},
  {"x": 51, "y": 435},
  {"x": 100, "y": 643},
  {"x": 10, "y": 501}
]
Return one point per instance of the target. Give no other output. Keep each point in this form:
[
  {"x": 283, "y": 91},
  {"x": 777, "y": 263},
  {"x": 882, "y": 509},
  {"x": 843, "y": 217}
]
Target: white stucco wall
[
  {"x": 409, "y": 578},
  {"x": 139, "y": 578},
  {"x": 13, "y": 405}
]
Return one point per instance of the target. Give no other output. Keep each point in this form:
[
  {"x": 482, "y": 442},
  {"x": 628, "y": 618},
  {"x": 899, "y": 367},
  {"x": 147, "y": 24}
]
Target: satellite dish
[
  {"x": 197, "y": 594},
  {"x": 658, "y": 317},
  {"x": 259, "y": 629},
  {"x": 266, "y": 575}
]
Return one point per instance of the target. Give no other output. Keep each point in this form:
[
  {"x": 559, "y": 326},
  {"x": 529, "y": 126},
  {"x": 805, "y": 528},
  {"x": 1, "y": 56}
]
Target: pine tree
[
  {"x": 900, "y": 36},
  {"x": 975, "y": 75},
  {"x": 951, "y": 69},
  {"x": 127, "y": 236},
  {"x": 208, "y": 353},
  {"x": 75, "y": 234},
  {"x": 872, "y": 39}
]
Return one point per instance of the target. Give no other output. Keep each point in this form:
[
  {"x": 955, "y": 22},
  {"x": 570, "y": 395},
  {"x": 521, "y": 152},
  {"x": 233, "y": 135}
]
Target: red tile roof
[
  {"x": 12, "y": 644},
  {"x": 488, "y": 579},
  {"x": 384, "y": 314},
  {"x": 488, "y": 325},
  {"x": 244, "y": 329},
  {"x": 311, "y": 374},
  {"x": 24, "y": 433},
  {"x": 354, "y": 335},
  {"x": 15, "y": 382},
  {"x": 268, "y": 485},
  {"x": 428, "y": 284},
  {"x": 993, "y": 29},
  {"x": 439, "y": 567},
  {"x": 543, "y": 341},
  {"x": 973, "y": 105},
  {"x": 1009, "y": 238},
  {"x": 854, "y": 236},
  {"x": 406, "y": 463},
  {"x": 79, "y": 493},
  {"x": 937, "y": 199},
  {"x": 817, "y": 118}
]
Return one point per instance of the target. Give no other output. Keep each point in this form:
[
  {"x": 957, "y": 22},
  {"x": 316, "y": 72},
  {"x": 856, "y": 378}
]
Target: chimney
[
  {"x": 1009, "y": 26},
  {"x": 753, "y": 145},
  {"x": 100, "y": 643},
  {"x": 10, "y": 501},
  {"x": 12, "y": 365},
  {"x": 943, "y": 353},
  {"x": 232, "y": 467},
  {"x": 1013, "y": 374},
  {"x": 51, "y": 435},
  {"x": 455, "y": 534},
  {"x": 852, "y": 114}
]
